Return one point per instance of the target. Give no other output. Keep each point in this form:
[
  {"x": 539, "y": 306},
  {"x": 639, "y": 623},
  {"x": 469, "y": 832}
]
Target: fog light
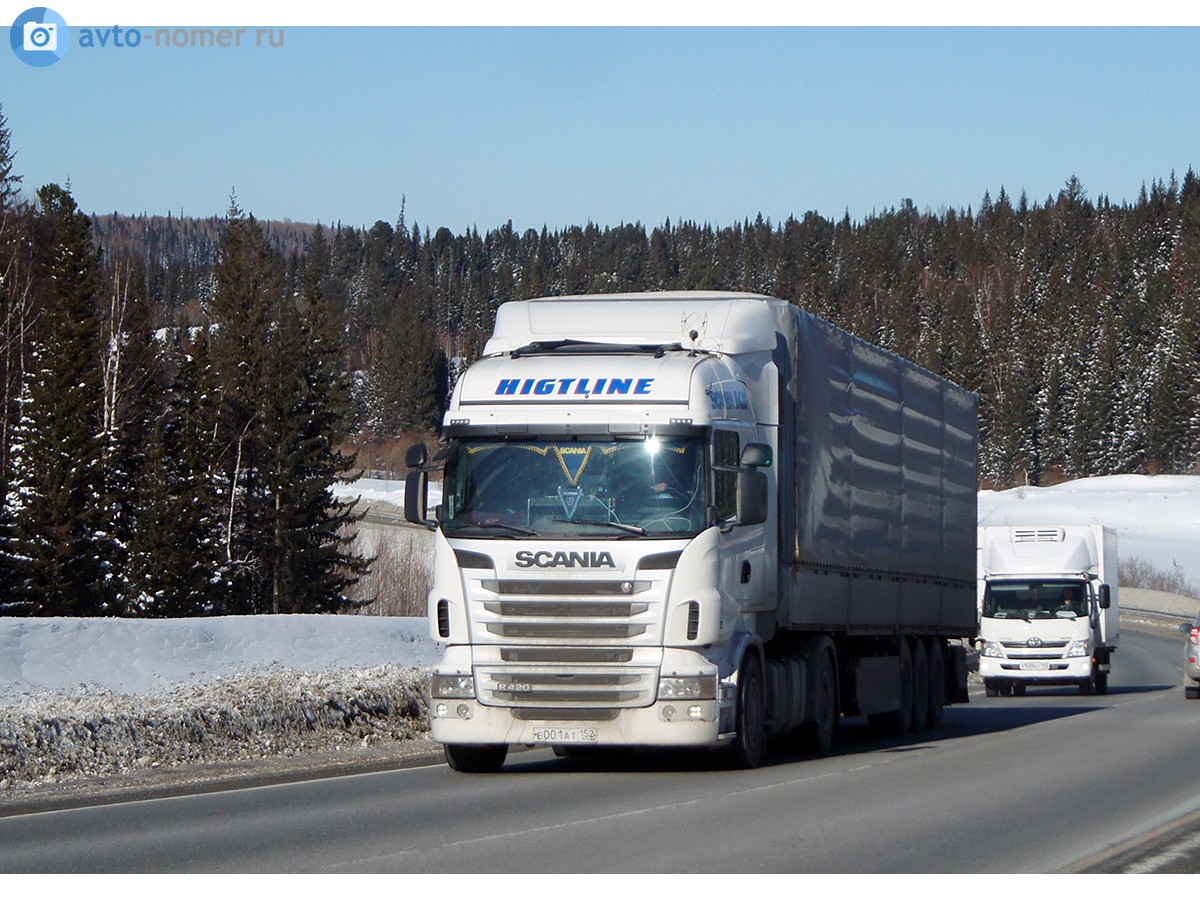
[
  {"x": 464, "y": 711},
  {"x": 695, "y": 713},
  {"x": 668, "y": 713},
  {"x": 440, "y": 710}
]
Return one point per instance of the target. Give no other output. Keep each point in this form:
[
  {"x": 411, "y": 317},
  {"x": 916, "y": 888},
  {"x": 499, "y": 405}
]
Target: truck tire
[
  {"x": 816, "y": 737},
  {"x": 937, "y": 685},
  {"x": 991, "y": 687},
  {"x": 1018, "y": 689},
  {"x": 746, "y": 751},
  {"x": 1100, "y": 681},
  {"x": 920, "y": 685},
  {"x": 897, "y": 721},
  {"x": 480, "y": 758}
]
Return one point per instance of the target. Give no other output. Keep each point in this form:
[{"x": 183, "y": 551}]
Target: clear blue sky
[{"x": 561, "y": 126}]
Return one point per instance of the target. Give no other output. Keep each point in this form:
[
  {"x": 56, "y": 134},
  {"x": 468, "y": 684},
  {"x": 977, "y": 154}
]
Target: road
[{"x": 1022, "y": 784}]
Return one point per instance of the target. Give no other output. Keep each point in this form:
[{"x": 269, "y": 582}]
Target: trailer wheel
[
  {"x": 816, "y": 737},
  {"x": 897, "y": 721},
  {"x": 746, "y": 751},
  {"x": 476, "y": 757},
  {"x": 937, "y": 685},
  {"x": 920, "y": 693}
]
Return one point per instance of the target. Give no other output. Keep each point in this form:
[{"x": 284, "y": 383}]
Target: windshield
[
  {"x": 1035, "y": 600},
  {"x": 574, "y": 489}
]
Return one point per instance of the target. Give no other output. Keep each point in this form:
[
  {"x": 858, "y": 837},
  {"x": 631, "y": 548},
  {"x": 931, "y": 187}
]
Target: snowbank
[
  {"x": 107, "y": 696},
  {"x": 1157, "y": 518},
  {"x": 154, "y": 656}
]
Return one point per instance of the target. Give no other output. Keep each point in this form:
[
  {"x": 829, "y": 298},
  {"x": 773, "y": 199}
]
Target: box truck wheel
[
  {"x": 746, "y": 751},
  {"x": 476, "y": 757},
  {"x": 898, "y": 721},
  {"x": 991, "y": 687},
  {"x": 937, "y": 685}
]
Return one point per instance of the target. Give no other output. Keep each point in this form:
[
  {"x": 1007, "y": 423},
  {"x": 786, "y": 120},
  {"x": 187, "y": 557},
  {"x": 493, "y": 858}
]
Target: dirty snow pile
[{"x": 104, "y": 696}]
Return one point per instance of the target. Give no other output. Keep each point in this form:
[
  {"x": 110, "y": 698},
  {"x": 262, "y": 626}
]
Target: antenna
[{"x": 694, "y": 325}]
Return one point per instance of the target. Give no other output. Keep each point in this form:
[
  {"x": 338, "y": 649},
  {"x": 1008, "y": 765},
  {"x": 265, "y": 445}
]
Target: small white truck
[{"x": 1048, "y": 606}]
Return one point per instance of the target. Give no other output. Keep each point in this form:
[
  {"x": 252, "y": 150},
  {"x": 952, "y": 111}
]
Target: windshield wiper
[
  {"x": 632, "y": 529},
  {"x": 516, "y": 529}
]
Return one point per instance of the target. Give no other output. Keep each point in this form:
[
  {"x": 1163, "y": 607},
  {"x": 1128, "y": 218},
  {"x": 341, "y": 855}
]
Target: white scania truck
[
  {"x": 694, "y": 519},
  {"x": 1048, "y": 606}
]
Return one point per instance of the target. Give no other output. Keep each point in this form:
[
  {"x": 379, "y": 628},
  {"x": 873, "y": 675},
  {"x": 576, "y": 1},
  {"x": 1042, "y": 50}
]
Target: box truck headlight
[
  {"x": 452, "y": 687},
  {"x": 1078, "y": 648},
  {"x": 690, "y": 687},
  {"x": 992, "y": 648}
]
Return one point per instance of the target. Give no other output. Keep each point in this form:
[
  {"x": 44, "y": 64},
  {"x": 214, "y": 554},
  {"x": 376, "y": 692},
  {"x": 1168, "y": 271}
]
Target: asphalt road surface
[{"x": 1047, "y": 782}]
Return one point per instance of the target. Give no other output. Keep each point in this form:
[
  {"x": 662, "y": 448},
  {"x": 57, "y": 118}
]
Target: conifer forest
[{"x": 180, "y": 396}]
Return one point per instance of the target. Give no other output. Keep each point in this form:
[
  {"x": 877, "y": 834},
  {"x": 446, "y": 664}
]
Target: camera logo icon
[{"x": 39, "y": 36}]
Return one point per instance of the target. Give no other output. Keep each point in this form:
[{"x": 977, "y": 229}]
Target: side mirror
[
  {"x": 416, "y": 487},
  {"x": 756, "y": 456},
  {"x": 751, "y": 497},
  {"x": 1185, "y": 627},
  {"x": 1105, "y": 596},
  {"x": 416, "y": 456}
]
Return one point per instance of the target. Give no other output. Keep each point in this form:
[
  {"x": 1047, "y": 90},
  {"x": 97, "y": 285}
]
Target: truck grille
[
  {"x": 579, "y": 610},
  {"x": 1022, "y": 650}
]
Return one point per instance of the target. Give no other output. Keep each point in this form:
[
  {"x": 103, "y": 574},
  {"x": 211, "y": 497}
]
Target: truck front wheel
[
  {"x": 746, "y": 751},
  {"x": 476, "y": 757}
]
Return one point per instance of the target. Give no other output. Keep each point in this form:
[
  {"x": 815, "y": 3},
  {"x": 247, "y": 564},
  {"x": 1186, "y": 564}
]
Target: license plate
[
  {"x": 566, "y": 735},
  {"x": 1034, "y": 666}
]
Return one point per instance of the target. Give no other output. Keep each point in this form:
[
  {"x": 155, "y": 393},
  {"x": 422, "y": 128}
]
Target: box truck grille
[{"x": 548, "y": 687}]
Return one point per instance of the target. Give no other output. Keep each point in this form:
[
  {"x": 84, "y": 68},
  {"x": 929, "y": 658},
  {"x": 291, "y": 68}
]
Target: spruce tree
[{"x": 62, "y": 549}]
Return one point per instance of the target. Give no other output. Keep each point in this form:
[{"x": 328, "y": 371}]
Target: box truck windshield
[
  {"x": 1035, "y": 600},
  {"x": 575, "y": 489}
]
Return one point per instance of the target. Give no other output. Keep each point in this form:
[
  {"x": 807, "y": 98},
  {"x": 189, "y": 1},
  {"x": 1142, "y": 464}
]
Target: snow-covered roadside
[{"x": 104, "y": 697}]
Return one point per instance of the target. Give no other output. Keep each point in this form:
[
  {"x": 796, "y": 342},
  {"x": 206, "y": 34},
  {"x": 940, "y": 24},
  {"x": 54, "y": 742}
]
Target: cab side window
[{"x": 726, "y": 454}]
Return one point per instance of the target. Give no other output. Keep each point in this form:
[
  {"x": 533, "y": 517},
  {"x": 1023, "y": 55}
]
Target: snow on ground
[
  {"x": 105, "y": 696},
  {"x": 1157, "y": 518},
  {"x": 152, "y": 656},
  {"x": 108, "y": 696}
]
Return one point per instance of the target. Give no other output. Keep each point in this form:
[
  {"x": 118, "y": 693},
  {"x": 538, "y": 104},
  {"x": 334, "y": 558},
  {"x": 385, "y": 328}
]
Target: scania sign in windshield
[{"x": 546, "y": 559}]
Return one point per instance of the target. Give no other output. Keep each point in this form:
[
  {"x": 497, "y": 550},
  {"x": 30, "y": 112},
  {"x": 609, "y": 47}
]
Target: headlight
[
  {"x": 1078, "y": 648},
  {"x": 452, "y": 687},
  {"x": 690, "y": 687},
  {"x": 992, "y": 648}
]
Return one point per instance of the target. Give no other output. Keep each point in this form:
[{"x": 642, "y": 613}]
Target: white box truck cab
[
  {"x": 694, "y": 520},
  {"x": 1048, "y": 606}
]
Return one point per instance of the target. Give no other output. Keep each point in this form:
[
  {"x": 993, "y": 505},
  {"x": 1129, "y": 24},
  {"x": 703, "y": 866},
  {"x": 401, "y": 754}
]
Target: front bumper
[
  {"x": 1056, "y": 671},
  {"x": 665, "y": 723}
]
